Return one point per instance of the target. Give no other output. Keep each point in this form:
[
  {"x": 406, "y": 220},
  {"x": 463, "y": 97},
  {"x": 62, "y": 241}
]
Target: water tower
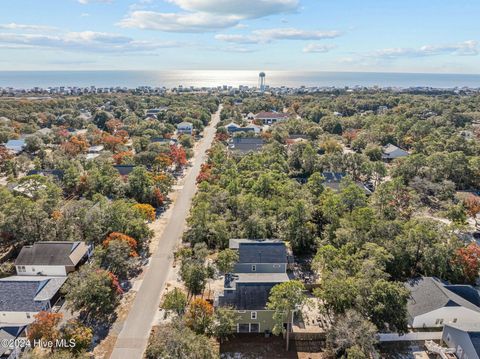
[{"x": 261, "y": 81}]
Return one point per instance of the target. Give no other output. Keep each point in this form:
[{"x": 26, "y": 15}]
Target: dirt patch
[{"x": 248, "y": 346}]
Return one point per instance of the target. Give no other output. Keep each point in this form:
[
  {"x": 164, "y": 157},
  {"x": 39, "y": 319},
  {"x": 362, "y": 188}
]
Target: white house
[
  {"x": 50, "y": 258},
  {"x": 269, "y": 118},
  {"x": 21, "y": 297},
  {"x": 464, "y": 338},
  {"x": 185, "y": 127},
  {"x": 434, "y": 303}
]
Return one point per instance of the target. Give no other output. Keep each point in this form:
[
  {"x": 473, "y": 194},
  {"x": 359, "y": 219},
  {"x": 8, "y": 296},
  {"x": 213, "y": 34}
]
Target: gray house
[
  {"x": 261, "y": 266},
  {"x": 464, "y": 338},
  {"x": 21, "y": 297},
  {"x": 267, "y": 256}
]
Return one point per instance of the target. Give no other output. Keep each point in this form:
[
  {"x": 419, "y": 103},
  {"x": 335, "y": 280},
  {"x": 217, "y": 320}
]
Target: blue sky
[{"x": 437, "y": 36}]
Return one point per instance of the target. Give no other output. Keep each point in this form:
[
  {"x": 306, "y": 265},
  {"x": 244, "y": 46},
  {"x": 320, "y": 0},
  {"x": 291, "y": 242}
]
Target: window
[
  {"x": 241, "y": 311},
  {"x": 454, "y": 320},
  {"x": 254, "y": 268},
  {"x": 254, "y": 328},
  {"x": 253, "y": 315},
  {"x": 276, "y": 266},
  {"x": 28, "y": 315},
  {"x": 439, "y": 322},
  {"x": 243, "y": 328}
]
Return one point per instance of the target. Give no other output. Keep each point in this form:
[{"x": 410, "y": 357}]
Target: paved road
[{"x": 132, "y": 340}]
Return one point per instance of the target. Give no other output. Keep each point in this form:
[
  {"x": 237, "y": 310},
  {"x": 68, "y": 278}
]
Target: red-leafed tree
[
  {"x": 468, "y": 261},
  {"x": 114, "y": 125},
  {"x": 205, "y": 173},
  {"x": 112, "y": 143},
  {"x": 75, "y": 145},
  {"x": 178, "y": 155}
]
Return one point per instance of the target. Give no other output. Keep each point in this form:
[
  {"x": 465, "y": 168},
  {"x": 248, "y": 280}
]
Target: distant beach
[{"x": 213, "y": 78}]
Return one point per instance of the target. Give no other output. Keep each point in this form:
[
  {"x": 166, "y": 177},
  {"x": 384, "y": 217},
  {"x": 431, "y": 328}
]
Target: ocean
[{"x": 213, "y": 78}]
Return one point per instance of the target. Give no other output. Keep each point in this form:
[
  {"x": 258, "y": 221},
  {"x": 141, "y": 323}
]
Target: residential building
[
  {"x": 8, "y": 334},
  {"x": 269, "y": 118},
  {"x": 434, "y": 303},
  {"x": 51, "y": 258},
  {"x": 333, "y": 180},
  {"x": 15, "y": 146},
  {"x": 124, "y": 170},
  {"x": 21, "y": 297},
  {"x": 391, "y": 152},
  {"x": 185, "y": 127},
  {"x": 266, "y": 256},
  {"x": 464, "y": 338},
  {"x": 246, "y": 144},
  {"x": 261, "y": 266}
]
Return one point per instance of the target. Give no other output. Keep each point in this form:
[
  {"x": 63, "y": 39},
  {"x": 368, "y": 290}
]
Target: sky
[{"x": 431, "y": 36}]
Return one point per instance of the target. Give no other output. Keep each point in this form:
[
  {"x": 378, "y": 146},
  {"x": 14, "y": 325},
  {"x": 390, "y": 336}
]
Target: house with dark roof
[
  {"x": 261, "y": 266},
  {"x": 464, "y": 339},
  {"x": 391, "y": 152},
  {"x": 333, "y": 180},
  {"x": 51, "y": 258},
  {"x": 255, "y": 256},
  {"x": 243, "y": 145},
  {"x": 185, "y": 127},
  {"x": 21, "y": 297},
  {"x": 269, "y": 118},
  {"x": 124, "y": 170},
  {"x": 434, "y": 303},
  {"x": 8, "y": 334}
]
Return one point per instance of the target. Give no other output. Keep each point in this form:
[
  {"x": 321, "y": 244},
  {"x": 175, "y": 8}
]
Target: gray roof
[
  {"x": 247, "y": 144},
  {"x": 47, "y": 253},
  {"x": 28, "y": 293},
  {"x": 262, "y": 252},
  {"x": 251, "y": 290},
  {"x": 233, "y": 243},
  {"x": 15, "y": 145},
  {"x": 391, "y": 151},
  {"x": 429, "y": 293}
]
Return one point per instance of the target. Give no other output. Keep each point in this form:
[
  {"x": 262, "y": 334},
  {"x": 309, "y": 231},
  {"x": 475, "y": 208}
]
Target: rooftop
[
  {"x": 47, "y": 253},
  {"x": 429, "y": 293},
  {"x": 27, "y": 293},
  {"x": 262, "y": 252}
]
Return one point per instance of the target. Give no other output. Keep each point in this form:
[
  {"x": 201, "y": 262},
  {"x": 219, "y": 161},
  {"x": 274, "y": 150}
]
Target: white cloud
[
  {"x": 246, "y": 9},
  {"x": 269, "y": 35},
  {"x": 181, "y": 22},
  {"x": 83, "y": 41},
  {"x": 206, "y": 15},
  {"x": 466, "y": 48},
  {"x": 14, "y": 26},
  {"x": 318, "y": 48}
]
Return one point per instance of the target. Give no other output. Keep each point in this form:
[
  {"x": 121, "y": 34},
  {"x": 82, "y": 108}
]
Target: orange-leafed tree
[
  {"x": 472, "y": 205},
  {"x": 468, "y": 261},
  {"x": 112, "y": 143},
  {"x": 199, "y": 315},
  {"x": 146, "y": 210},
  {"x": 114, "y": 125},
  {"x": 115, "y": 283},
  {"x": 117, "y": 236},
  {"x": 350, "y": 135},
  {"x": 121, "y": 157},
  {"x": 45, "y": 326},
  {"x": 75, "y": 145},
  {"x": 163, "y": 161}
]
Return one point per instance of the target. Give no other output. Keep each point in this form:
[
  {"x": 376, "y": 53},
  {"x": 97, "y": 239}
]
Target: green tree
[
  {"x": 224, "y": 324},
  {"x": 175, "y": 301},
  {"x": 284, "y": 299},
  {"x": 226, "y": 260}
]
